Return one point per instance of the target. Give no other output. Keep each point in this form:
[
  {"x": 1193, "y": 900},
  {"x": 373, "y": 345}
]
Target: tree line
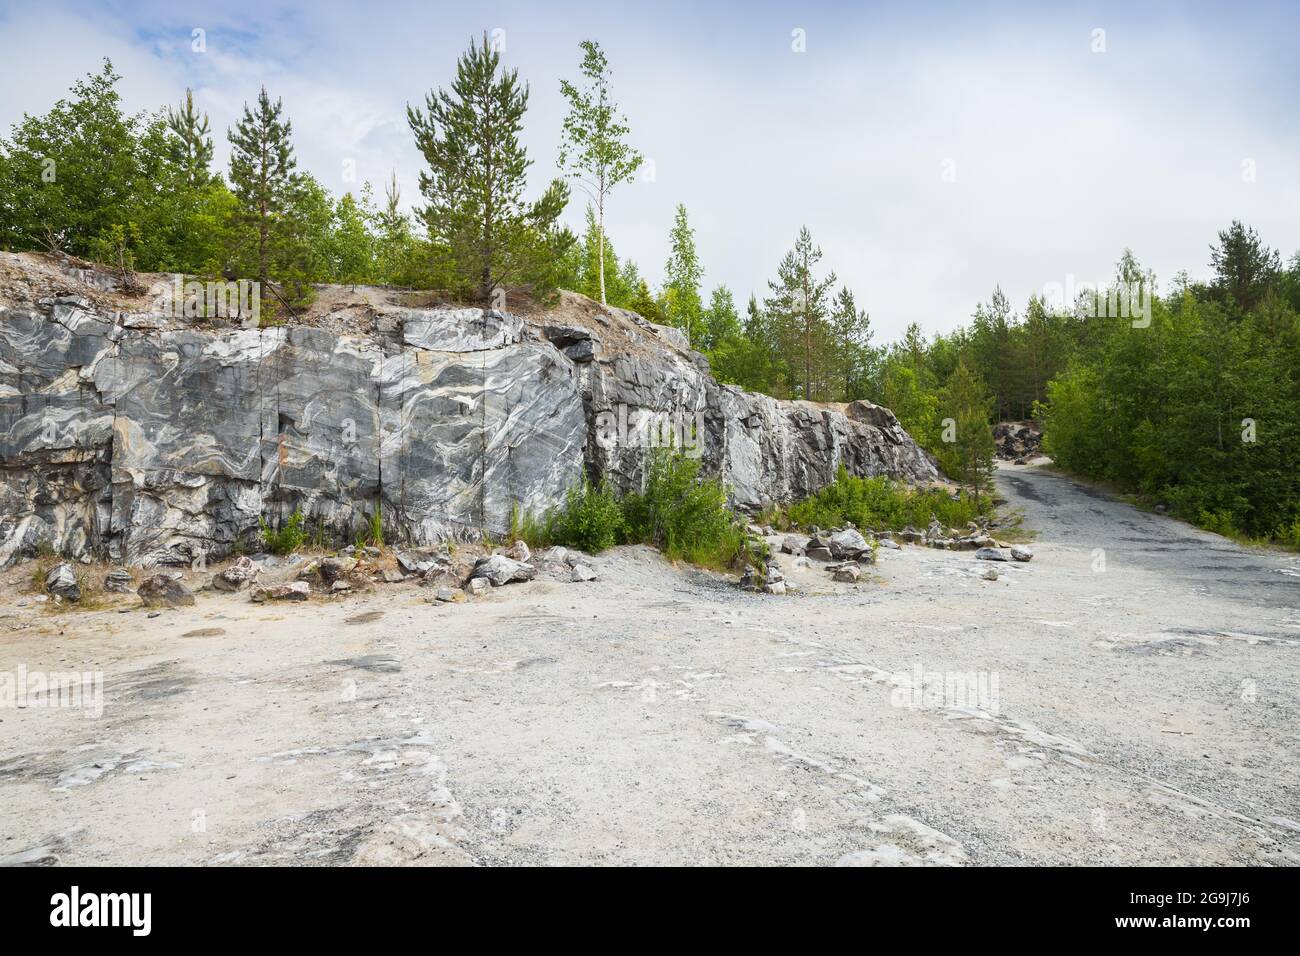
[{"x": 1196, "y": 406}]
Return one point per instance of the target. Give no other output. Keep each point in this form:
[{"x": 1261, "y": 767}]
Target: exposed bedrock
[{"x": 150, "y": 439}]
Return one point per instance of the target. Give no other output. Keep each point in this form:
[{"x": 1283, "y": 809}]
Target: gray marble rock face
[
  {"x": 764, "y": 449},
  {"x": 130, "y": 436},
  {"x": 469, "y": 436}
]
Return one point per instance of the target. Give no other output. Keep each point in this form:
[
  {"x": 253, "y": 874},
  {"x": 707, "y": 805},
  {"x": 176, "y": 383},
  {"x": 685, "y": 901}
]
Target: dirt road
[{"x": 1132, "y": 695}]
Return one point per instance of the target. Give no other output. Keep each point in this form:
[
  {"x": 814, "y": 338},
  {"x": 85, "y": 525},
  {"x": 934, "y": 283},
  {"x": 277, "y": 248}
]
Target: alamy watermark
[
  {"x": 24, "y": 688},
  {"x": 625, "y": 427},
  {"x": 214, "y": 299},
  {"x": 965, "y": 690},
  {"x": 1120, "y": 300}
]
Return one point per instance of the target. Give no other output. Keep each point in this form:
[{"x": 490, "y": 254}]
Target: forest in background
[{"x": 1195, "y": 404}]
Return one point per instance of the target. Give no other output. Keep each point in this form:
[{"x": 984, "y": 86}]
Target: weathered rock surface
[{"x": 155, "y": 440}]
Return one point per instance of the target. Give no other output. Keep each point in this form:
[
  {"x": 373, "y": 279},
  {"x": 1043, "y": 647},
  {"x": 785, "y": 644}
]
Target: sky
[{"x": 934, "y": 151}]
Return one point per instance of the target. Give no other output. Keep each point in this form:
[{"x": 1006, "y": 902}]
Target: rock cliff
[{"x": 131, "y": 432}]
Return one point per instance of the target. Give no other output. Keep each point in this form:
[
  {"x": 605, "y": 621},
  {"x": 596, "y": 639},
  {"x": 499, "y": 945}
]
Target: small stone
[
  {"x": 341, "y": 587},
  {"x": 478, "y": 586},
  {"x": 392, "y": 576},
  {"x": 450, "y": 595},
  {"x": 774, "y": 587},
  {"x": 1021, "y": 554},
  {"x": 848, "y": 573},
  {"x": 990, "y": 574},
  {"x": 581, "y": 573},
  {"x": 990, "y": 554}
]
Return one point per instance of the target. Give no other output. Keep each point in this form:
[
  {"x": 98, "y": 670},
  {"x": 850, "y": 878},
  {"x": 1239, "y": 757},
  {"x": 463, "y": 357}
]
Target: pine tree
[
  {"x": 1244, "y": 268},
  {"x": 190, "y": 144},
  {"x": 721, "y": 322},
  {"x": 799, "y": 309},
  {"x": 682, "y": 276},
  {"x": 969, "y": 456},
  {"x": 477, "y": 170},
  {"x": 262, "y": 177},
  {"x": 851, "y": 339},
  {"x": 594, "y": 150}
]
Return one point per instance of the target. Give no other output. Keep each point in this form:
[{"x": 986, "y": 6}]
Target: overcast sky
[{"x": 933, "y": 150}]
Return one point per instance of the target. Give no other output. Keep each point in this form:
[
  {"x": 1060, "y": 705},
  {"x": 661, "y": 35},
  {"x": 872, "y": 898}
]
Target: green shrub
[
  {"x": 884, "y": 505},
  {"x": 1289, "y": 534},
  {"x": 287, "y": 539},
  {"x": 681, "y": 513}
]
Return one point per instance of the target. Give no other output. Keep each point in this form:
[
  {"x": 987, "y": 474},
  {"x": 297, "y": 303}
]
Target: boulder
[
  {"x": 581, "y": 573},
  {"x": 849, "y": 573},
  {"x": 478, "y": 586},
  {"x": 848, "y": 543},
  {"x": 293, "y": 591},
  {"x": 991, "y": 554},
  {"x": 1021, "y": 554},
  {"x": 164, "y": 590},
  {"x": 498, "y": 570},
  {"x": 118, "y": 581},
  {"x": 794, "y": 544},
  {"x": 414, "y": 562},
  {"x": 236, "y": 577},
  {"x": 62, "y": 582}
]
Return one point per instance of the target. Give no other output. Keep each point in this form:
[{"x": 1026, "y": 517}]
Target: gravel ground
[{"x": 1130, "y": 696}]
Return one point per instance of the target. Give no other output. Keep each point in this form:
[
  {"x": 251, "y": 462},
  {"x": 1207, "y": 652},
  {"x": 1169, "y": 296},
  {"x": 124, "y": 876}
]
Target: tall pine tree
[
  {"x": 682, "y": 276},
  {"x": 476, "y": 214},
  {"x": 190, "y": 142},
  {"x": 262, "y": 179},
  {"x": 799, "y": 308}
]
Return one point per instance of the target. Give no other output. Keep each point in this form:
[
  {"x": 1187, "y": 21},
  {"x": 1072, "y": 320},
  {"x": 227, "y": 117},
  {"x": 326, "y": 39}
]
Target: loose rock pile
[
  {"x": 1019, "y": 442},
  {"x": 846, "y": 553}
]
